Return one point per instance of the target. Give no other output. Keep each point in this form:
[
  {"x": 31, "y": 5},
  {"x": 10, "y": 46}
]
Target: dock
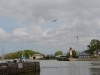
[
  {"x": 14, "y": 68},
  {"x": 84, "y": 59}
]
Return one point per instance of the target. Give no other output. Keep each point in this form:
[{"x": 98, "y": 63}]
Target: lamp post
[
  {"x": 21, "y": 53},
  {"x": 21, "y": 56}
]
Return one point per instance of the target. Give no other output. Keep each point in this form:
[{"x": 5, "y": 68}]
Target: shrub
[{"x": 96, "y": 57}]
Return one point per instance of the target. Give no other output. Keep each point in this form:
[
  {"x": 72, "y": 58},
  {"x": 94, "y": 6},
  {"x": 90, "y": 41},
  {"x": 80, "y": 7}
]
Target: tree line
[
  {"x": 93, "y": 45},
  {"x": 18, "y": 54}
]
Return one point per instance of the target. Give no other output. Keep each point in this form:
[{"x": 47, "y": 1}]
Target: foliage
[
  {"x": 26, "y": 53},
  {"x": 58, "y": 53},
  {"x": 47, "y": 57},
  {"x": 96, "y": 57},
  {"x": 12, "y": 55},
  {"x": 94, "y": 45}
]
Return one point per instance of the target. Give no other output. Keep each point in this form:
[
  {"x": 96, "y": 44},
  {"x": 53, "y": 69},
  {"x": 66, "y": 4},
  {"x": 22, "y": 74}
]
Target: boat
[{"x": 63, "y": 58}]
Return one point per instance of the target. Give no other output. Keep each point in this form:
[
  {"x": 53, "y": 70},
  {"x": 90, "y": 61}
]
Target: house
[
  {"x": 96, "y": 53},
  {"x": 37, "y": 56},
  {"x": 84, "y": 55}
]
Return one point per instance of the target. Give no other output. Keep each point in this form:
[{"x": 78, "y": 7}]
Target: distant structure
[
  {"x": 30, "y": 57},
  {"x": 84, "y": 54},
  {"x": 55, "y": 20},
  {"x": 37, "y": 56},
  {"x": 96, "y": 53},
  {"x": 70, "y": 51}
]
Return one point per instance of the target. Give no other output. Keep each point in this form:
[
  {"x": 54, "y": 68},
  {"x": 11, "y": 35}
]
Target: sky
[{"x": 27, "y": 24}]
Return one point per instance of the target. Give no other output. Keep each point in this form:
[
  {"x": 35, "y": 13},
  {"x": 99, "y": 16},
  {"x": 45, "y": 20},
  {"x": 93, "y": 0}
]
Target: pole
[
  {"x": 77, "y": 40},
  {"x": 3, "y": 54},
  {"x": 21, "y": 56}
]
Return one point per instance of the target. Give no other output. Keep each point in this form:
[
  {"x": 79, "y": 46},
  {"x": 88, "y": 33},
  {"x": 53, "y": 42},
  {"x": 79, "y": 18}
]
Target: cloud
[
  {"x": 36, "y": 33},
  {"x": 44, "y": 11},
  {"x": 83, "y": 16},
  {"x": 33, "y": 33},
  {"x": 3, "y": 35}
]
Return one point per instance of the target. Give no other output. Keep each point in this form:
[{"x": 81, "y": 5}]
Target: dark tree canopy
[
  {"x": 58, "y": 53},
  {"x": 94, "y": 45}
]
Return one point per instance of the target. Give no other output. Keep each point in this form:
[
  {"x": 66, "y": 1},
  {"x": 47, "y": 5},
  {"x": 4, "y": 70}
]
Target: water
[{"x": 54, "y": 67}]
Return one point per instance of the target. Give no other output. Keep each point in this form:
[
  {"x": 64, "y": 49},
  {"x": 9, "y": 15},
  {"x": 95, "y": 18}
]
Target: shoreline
[{"x": 84, "y": 59}]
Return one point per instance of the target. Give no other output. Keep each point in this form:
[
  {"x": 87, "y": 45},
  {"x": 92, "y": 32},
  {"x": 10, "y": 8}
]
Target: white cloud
[
  {"x": 37, "y": 11},
  {"x": 33, "y": 33},
  {"x": 83, "y": 16},
  {"x": 3, "y": 35}
]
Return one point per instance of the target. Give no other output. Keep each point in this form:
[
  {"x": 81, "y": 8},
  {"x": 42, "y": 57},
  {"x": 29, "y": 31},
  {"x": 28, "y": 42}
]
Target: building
[
  {"x": 96, "y": 53},
  {"x": 84, "y": 56},
  {"x": 37, "y": 56}
]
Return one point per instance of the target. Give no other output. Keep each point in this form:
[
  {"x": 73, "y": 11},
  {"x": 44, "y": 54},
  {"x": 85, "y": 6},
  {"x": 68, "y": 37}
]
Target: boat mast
[
  {"x": 77, "y": 39},
  {"x": 3, "y": 54}
]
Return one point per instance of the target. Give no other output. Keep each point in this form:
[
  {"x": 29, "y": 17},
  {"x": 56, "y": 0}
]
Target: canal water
[{"x": 54, "y": 67}]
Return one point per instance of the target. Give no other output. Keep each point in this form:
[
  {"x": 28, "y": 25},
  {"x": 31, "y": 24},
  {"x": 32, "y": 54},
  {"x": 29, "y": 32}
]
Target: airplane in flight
[{"x": 55, "y": 20}]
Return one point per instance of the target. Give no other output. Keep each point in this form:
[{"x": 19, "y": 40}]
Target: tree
[
  {"x": 28, "y": 53},
  {"x": 58, "y": 53},
  {"x": 47, "y": 57},
  {"x": 18, "y": 54},
  {"x": 94, "y": 45}
]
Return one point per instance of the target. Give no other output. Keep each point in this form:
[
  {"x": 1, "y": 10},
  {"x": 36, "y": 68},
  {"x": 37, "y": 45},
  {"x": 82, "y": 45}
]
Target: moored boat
[{"x": 63, "y": 58}]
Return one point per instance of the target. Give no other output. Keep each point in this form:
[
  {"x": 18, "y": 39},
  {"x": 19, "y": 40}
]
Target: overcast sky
[{"x": 27, "y": 24}]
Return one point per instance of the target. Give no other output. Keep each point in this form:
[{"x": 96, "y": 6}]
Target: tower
[{"x": 70, "y": 51}]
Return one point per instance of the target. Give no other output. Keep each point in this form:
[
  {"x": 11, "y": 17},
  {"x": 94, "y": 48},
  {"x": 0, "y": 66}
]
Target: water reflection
[
  {"x": 95, "y": 64},
  {"x": 95, "y": 69},
  {"x": 66, "y": 68},
  {"x": 29, "y": 73},
  {"x": 53, "y": 67}
]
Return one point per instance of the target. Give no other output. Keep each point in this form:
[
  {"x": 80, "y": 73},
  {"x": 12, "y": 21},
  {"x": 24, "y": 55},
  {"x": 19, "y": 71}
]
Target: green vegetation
[
  {"x": 17, "y": 54},
  {"x": 58, "y": 53},
  {"x": 28, "y": 53},
  {"x": 96, "y": 57},
  {"x": 68, "y": 53},
  {"x": 94, "y": 45}
]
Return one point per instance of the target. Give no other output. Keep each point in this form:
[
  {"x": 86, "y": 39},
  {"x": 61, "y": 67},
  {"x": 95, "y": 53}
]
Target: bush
[{"x": 96, "y": 57}]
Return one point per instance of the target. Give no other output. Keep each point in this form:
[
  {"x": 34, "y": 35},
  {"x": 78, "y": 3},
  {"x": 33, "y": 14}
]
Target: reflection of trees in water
[
  {"x": 95, "y": 71},
  {"x": 29, "y": 73},
  {"x": 95, "y": 64}
]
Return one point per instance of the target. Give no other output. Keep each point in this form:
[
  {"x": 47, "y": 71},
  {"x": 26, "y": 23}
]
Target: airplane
[{"x": 55, "y": 20}]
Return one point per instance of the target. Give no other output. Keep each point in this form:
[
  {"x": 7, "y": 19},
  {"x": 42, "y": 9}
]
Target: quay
[
  {"x": 14, "y": 68},
  {"x": 84, "y": 59}
]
